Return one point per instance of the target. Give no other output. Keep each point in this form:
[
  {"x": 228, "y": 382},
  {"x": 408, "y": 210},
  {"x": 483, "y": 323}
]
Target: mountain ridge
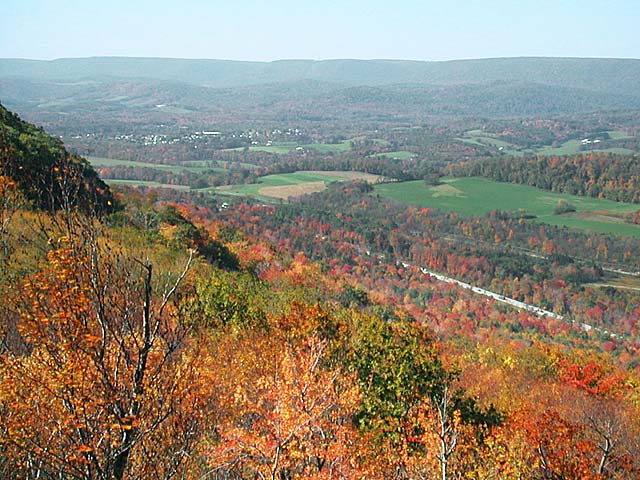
[{"x": 598, "y": 74}]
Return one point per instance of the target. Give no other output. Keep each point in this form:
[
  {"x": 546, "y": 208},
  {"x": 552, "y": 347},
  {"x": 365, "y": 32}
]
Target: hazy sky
[{"x": 269, "y": 30}]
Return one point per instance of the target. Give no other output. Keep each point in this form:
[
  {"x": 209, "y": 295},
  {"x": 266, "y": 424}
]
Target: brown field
[
  {"x": 625, "y": 282},
  {"x": 289, "y": 185},
  {"x": 367, "y": 177},
  {"x": 289, "y": 191},
  {"x": 606, "y": 216},
  {"x": 612, "y": 285}
]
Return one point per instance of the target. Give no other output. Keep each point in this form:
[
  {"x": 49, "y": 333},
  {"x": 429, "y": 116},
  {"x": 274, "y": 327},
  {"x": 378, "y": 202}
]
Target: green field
[
  {"x": 281, "y": 148},
  {"x": 193, "y": 165},
  {"x": 329, "y": 147},
  {"x": 399, "y": 155},
  {"x": 488, "y": 140},
  {"x": 570, "y": 147},
  {"x": 478, "y": 196},
  {"x": 278, "y": 180},
  {"x": 476, "y": 137},
  {"x": 143, "y": 183},
  {"x": 618, "y": 134},
  {"x": 286, "y": 147},
  {"x": 567, "y": 148}
]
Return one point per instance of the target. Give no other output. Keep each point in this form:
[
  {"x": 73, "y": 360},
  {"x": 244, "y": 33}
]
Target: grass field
[
  {"x": 399, "y": 155},
  {"x": 570, "y": 147},
  {"x": 286, "y": 147},
  {"x": 193, "y": 166},
  {"x": 143, "y": 183},
  {"x": 567, "y": 148},
  {"x": 622, "y": 282},
  {"x": 329, "y": 147},
  {"x": 618, "y": 134},
  {"x": 482, "y": 139},
  {"x": 280, "y": 147},
  {"x": 488, "y": 140},
  {"x": 286, "y": 185},
  {"x": 478, "y": 196}
]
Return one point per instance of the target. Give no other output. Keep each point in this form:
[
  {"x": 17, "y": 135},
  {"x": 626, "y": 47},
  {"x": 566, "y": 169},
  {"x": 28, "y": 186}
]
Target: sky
[{"x": 321, "y": 29}]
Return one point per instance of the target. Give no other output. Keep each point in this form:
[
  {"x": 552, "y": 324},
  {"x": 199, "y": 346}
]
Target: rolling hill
[
  {"x": 161, "y": 90},
  {"x": 604, "y": 75}
]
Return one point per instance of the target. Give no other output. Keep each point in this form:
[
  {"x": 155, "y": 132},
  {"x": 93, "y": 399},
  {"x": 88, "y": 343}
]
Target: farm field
[
  {"x": 329, "y": 147},
  {"x": 193, "y": 166},
  {"x": 618, "y": 134},
  {"x": 143, "y": 183},
  {"x": 399, "y": 155},
  {"x": 570, "y": 147},
  {"x": 286, "y": 147},
  {"x": 278, "y": 148},
  {"x": 480, "y": 138},
  {"x": 478, "y": 196},
  {"x": 621, "y": 282},
  {"x": 286, "y": 185}
]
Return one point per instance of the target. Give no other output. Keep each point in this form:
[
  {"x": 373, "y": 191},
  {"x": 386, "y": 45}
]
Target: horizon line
[{"x": 336, "y": 59}]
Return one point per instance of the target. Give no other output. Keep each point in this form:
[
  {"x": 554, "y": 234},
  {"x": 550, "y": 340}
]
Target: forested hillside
[
  {"x": 182, "y": 337},
  {"x": 45, "y": 173},
  {"x": 304, "y": 100}
]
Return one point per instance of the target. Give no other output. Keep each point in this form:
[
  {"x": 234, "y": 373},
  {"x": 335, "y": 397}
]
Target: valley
[{"x": 337, "y": 269}]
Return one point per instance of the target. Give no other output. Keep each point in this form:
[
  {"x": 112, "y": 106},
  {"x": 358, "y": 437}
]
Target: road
[{"x": 541, "y": 312}]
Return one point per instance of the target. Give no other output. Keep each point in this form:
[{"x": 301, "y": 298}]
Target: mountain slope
[
  {"x": 300, "y": 99},
  {"x": 48, "y": 175}
]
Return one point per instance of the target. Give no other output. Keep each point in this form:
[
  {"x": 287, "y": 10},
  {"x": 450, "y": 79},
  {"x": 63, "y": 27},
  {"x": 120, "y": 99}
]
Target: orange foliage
[
  {"x": 105, "y": 376},
  {"x": 293, "y": 423}
]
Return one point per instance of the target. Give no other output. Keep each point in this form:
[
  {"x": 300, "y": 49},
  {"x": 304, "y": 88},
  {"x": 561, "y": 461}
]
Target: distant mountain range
[
  {"x": 379, "y": 88},
  {"x": 604, "y": 75}
]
